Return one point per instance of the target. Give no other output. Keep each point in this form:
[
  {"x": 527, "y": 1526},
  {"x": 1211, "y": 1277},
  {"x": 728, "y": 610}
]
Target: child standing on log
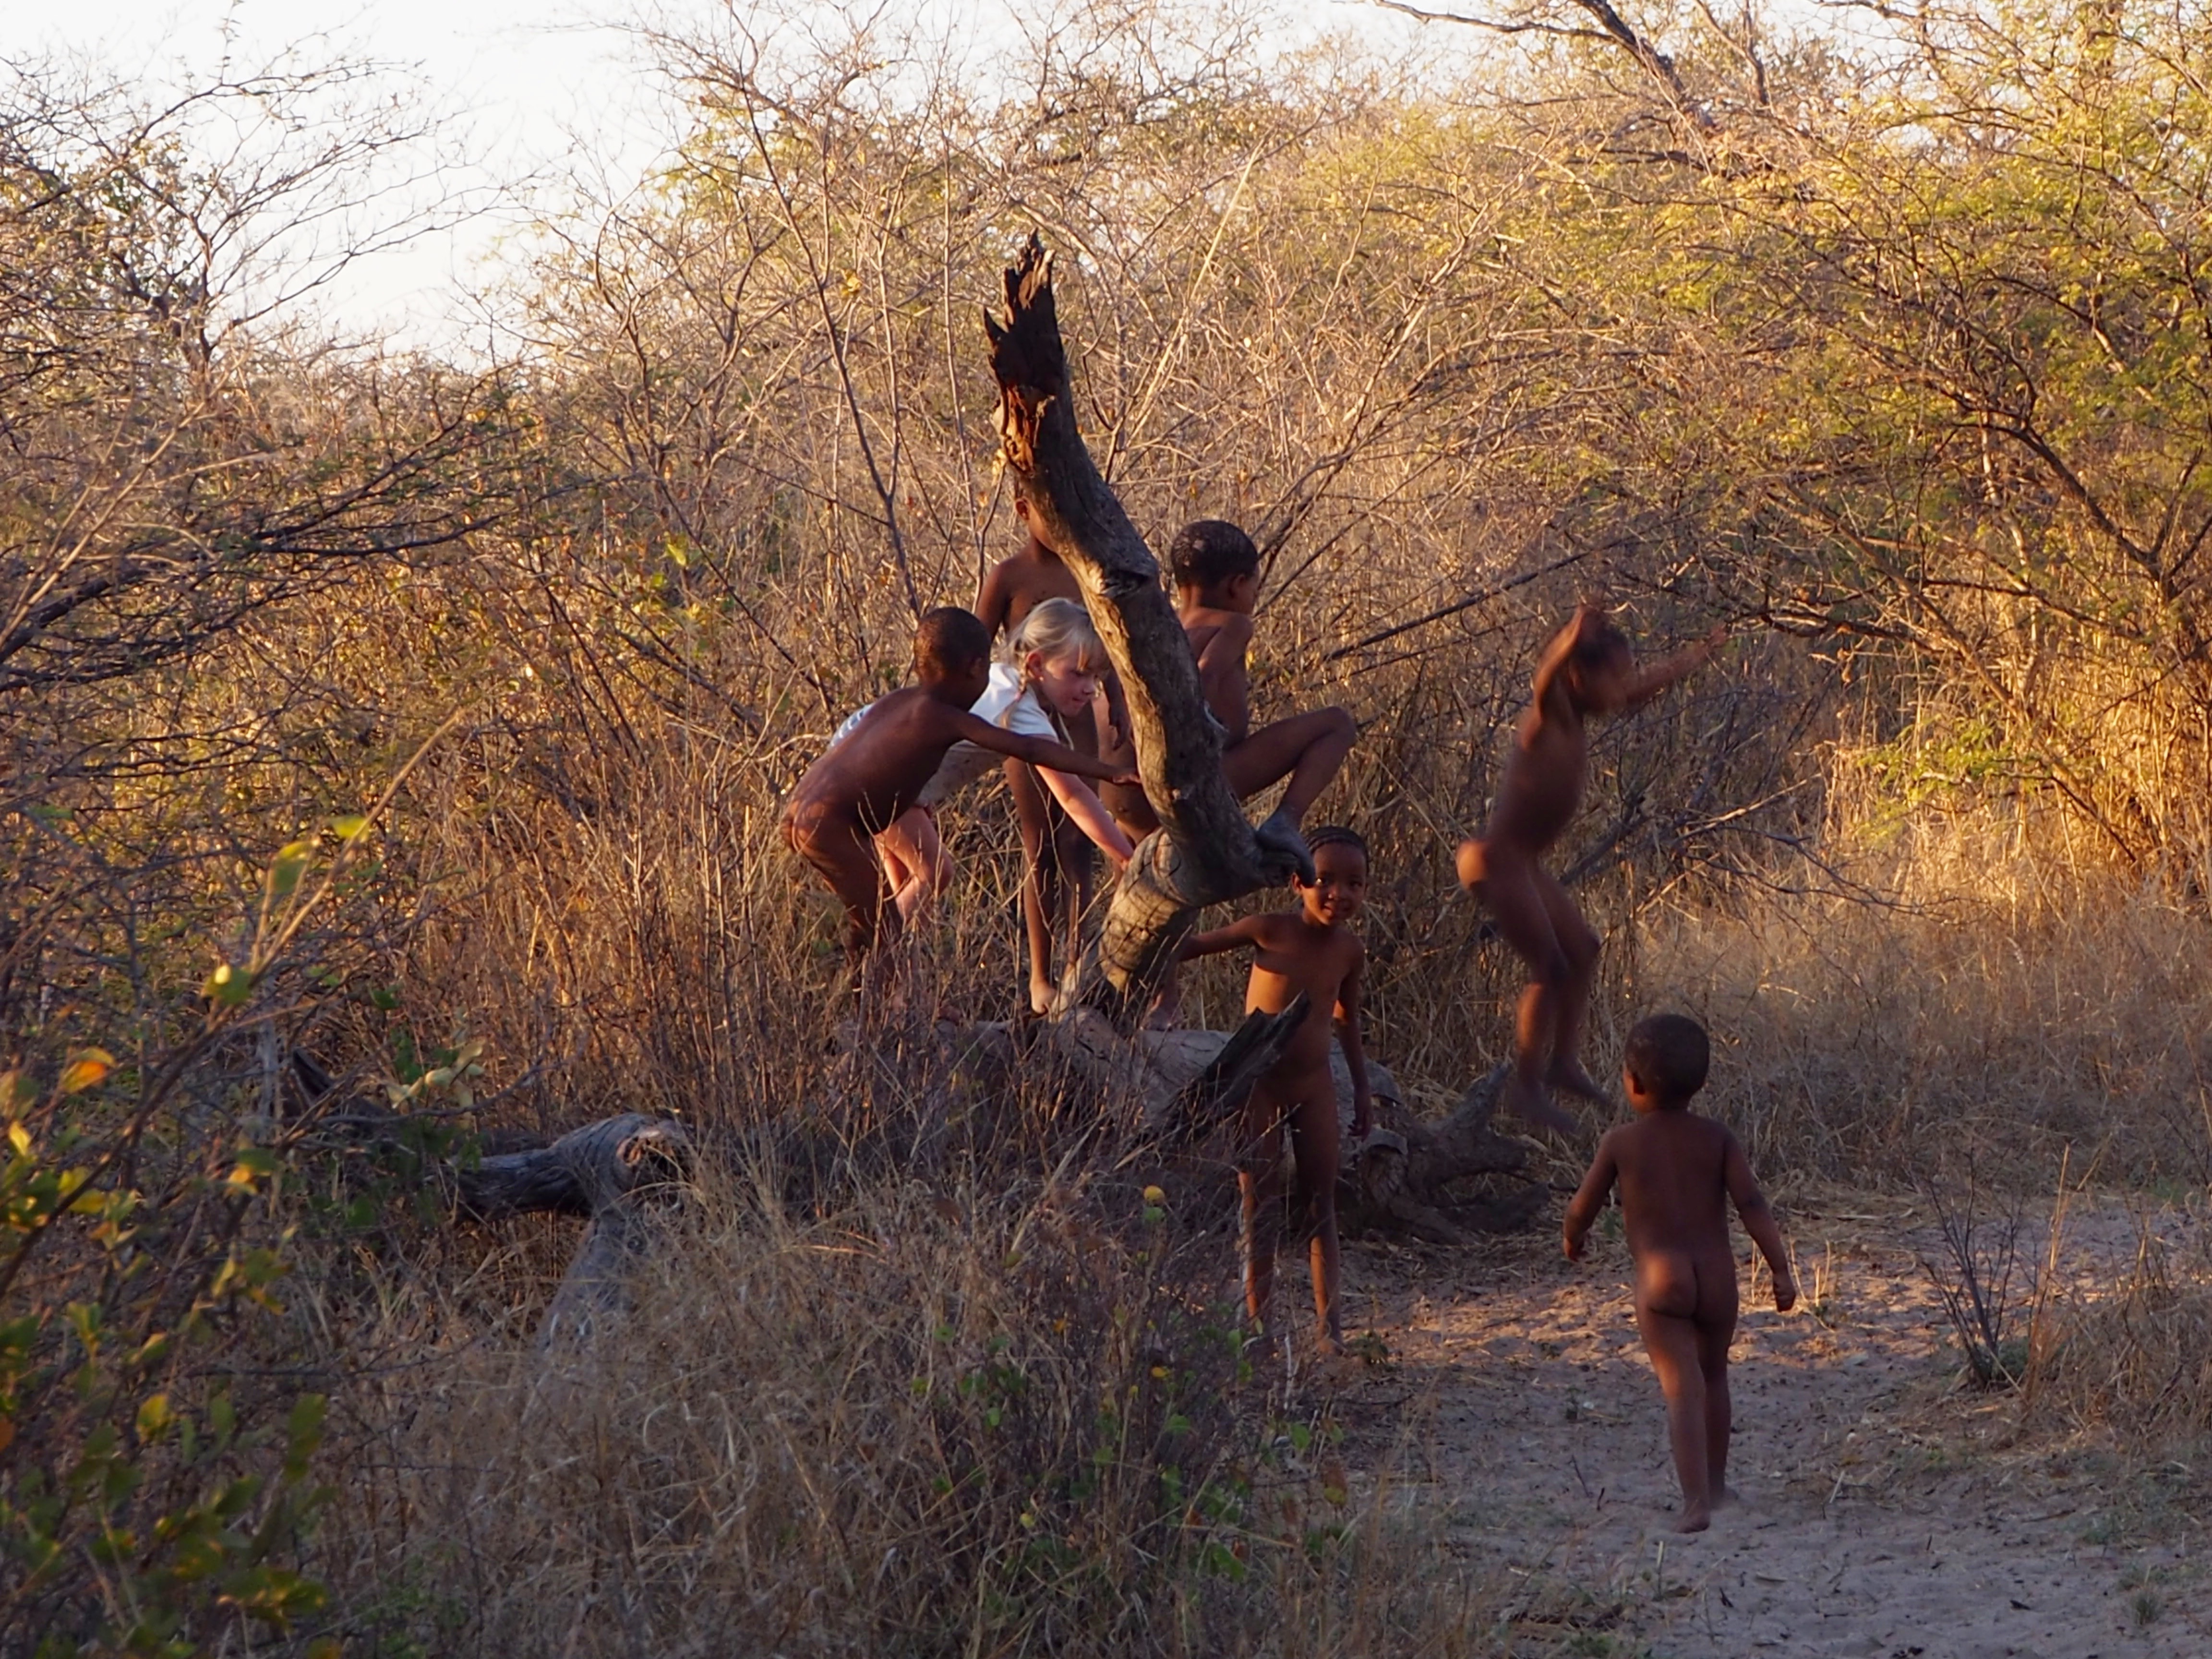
[
  {"x": 1312, "y": 950},
  {"x": 891, "y": 754},
  {"x": 1216, "y": 570},
  {"x": 1587, "y": 669},
  {"x": 1677, "y": 1172}
]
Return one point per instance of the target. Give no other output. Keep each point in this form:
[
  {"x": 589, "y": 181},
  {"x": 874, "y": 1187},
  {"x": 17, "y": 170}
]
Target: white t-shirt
[{"x": 1005, "y": 702}]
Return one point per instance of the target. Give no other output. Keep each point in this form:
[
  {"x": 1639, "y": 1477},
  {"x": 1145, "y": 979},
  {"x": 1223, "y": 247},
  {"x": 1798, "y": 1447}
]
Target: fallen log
[{"x": 627, "y": 1175}]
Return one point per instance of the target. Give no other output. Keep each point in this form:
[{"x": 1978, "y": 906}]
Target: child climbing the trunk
[
  {"x": 1311, "y": 950},
  {"x": 1677, "y": 1172},
  {"x": 1216, "y": 570}
]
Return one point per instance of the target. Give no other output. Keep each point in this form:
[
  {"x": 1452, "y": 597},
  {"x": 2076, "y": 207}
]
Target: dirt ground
[{"x": 1888, "y": 1510}]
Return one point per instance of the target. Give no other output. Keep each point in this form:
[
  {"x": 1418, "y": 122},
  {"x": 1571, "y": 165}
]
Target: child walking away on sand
[
  {"x": 1216, "y": 570},
  {"x": 1676, "y": 1172},
  {"x": 890, "y": 755},
  {"x": 1313, "y": 949},
  {"x": 1586, "y": 670}
]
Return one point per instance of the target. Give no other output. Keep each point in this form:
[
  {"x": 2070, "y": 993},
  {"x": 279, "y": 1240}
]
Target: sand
[{"x": 1887, "y": 1510}]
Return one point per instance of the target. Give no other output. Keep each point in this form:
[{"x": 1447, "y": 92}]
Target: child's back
[
  {"x": 1676, "y": 1172},
  {"x": 1672, "y": 1171}
]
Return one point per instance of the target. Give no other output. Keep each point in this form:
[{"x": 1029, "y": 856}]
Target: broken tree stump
[{"x": 1205, "y": 851}]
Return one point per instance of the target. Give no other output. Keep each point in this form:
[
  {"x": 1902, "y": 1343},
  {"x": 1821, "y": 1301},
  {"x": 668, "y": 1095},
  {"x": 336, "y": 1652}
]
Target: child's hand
[
  {"x": 1785, "y": 1292},
  {"x": 1363, "y": 1114},
  {"x": 1127, "y": 779},
  {"x": 1573, "y": 1244},
  {"x": 1714, "y": 640}
]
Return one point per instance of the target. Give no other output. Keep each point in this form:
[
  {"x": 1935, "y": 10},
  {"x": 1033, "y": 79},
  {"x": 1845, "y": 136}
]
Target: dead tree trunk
[
  {"x": 1204, "y": 851},
  {"x": 626, "y": 1174}
]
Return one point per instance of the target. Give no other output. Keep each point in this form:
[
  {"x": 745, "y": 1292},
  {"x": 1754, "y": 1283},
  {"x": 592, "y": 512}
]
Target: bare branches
[{"x": 1610, "y": 28}]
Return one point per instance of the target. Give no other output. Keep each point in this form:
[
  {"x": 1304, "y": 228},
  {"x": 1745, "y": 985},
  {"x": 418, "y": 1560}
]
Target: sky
[
  {"x": 530, "y": 90},
  {"x": 540, "y": 96}
]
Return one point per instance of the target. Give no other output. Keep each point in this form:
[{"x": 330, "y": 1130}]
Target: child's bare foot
[
  {"x": 1528, "y": 1102},
  {"x": 1694, "y": 1520},
  {"x": 1569, "y": 1076},
  {"x": 1726, "y": 1499}
]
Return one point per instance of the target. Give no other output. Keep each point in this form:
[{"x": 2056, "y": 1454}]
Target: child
[
  {"x": 891, "y": 754},
  {"x": 1055, "y": 848},
  {"x": 1675, "y": 1167},
  {"x": 1018, "y": 584},
  {"x": 1048, "y": 691},
  {"x": 1312, "y": 950},
  {"x": 1216, "y": 569},
  {"x": 1587, "y": 669}
]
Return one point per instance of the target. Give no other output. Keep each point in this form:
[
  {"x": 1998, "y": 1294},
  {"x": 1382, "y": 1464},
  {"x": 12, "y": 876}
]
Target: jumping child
[
  {"x": 1313, "y": 949},
  {"x": 890, "y": 755},
  {"x": 1587, "y": 669},
  {"x": 1675, "y": 1170},
  {"x": 1216, "y": 570}
]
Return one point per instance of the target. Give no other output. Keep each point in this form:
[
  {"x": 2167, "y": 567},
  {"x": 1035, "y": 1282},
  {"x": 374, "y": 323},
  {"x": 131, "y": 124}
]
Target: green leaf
[
  {"x": 227, "y": 986},
  {"x": 154, "y": 1417},
  {"x": 290, "y": 864}
]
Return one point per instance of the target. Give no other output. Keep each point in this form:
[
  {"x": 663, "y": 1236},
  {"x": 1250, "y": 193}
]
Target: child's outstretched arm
[
  {"x": 1656, "y": 677},
  {"x": 1081, "y": 803},
  {"x": 1355, "y": 1051},
  {"x": 1244, "y": 931},
  {"x": 1758, "y": 1221},
  {"x": 1590, "y": 1198},
  {"x": 1037, "y": 751}
]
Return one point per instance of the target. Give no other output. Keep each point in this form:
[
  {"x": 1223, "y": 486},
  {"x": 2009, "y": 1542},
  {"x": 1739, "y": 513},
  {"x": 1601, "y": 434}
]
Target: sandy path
[{"x": 1885, "y": 1512}]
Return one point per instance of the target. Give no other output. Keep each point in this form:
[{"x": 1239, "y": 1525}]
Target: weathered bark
[
  {"x": 625, "y": 1173},
  {"x": 1400, "y": 1180},
  {"x": 1204, "y": 851}
]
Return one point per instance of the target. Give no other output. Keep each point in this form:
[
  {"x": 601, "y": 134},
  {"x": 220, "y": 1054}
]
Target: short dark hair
[
  {"x": 1210, "y": 552},
  {"x": 1598, "y": 646},
  {"x": 1670, "y": 1055},
  {"x": 950, "y": 638},
  {"x": 1337, "y": 835}
]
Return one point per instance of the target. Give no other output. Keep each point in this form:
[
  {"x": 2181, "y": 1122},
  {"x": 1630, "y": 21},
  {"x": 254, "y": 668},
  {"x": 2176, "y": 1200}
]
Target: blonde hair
[{"x": 1055, "y": 629}]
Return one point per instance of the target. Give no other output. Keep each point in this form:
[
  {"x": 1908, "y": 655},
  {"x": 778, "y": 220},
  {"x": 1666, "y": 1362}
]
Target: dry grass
[
  {"x": 943, "y": 1419},
  {"x": 1988, "y": 992}
]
